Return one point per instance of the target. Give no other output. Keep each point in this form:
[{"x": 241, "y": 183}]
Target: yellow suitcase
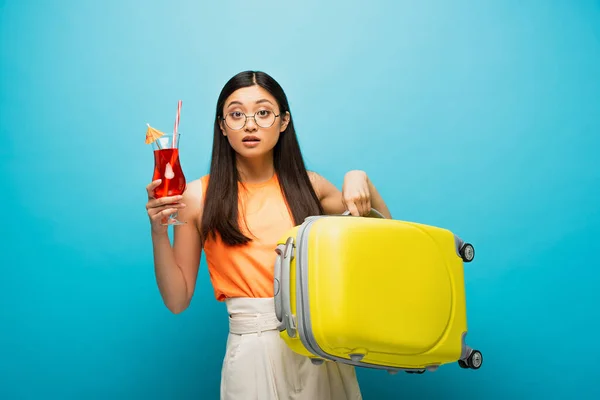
[{"x": 374, "y": 292}]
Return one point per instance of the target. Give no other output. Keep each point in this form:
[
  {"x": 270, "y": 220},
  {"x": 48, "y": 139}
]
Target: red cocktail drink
[{"x": 168, "y": 169}]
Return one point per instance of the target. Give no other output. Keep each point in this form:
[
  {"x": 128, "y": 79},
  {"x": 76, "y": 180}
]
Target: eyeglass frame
[{"x": 246, "y": 120}]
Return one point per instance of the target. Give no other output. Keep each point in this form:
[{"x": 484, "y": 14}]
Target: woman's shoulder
[{"x": 196, "y": 189}]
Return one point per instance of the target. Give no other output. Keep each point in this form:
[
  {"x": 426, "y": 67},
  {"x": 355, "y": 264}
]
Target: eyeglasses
[{"x": 237, "y": 120}]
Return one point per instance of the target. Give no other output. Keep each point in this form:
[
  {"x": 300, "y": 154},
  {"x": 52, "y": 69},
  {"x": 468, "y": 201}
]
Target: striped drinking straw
[{"x": 176, "y": 124}]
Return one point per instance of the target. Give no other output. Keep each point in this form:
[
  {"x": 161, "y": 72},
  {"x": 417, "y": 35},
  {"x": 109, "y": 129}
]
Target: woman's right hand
[{"x": 160, "y": 209}]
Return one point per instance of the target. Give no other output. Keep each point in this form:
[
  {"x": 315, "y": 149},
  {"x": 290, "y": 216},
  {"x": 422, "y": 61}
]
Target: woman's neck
[{"x": 255, "y": 170}]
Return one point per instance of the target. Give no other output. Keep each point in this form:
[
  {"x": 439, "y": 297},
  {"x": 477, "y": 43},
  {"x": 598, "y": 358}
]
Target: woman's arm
[
  {"x": 176, "y": 267},
  {"x": 358, "y": 195}
]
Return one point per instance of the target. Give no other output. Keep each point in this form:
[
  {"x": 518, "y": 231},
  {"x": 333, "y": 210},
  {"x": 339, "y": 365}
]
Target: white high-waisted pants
[{"x": 258, "y": 365}]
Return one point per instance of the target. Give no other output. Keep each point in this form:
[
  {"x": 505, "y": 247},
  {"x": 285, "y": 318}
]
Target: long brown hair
[{"x": 221, "y": 203}]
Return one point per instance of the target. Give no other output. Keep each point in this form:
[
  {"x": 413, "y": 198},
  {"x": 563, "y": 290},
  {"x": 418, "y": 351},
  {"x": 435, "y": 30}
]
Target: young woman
[{"x": 256, "y": 190}]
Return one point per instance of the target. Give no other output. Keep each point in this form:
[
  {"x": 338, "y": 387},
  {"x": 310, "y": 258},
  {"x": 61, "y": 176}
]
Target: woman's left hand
[{"x": 356, "y": 194}]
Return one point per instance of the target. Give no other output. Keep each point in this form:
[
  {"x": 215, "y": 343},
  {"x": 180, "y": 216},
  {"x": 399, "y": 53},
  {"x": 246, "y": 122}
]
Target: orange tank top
[{"x": 247, "y": 271}]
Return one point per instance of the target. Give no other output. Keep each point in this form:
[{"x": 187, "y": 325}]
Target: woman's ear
[
  {"x": 285, "y": 120},
  {"x": 222, "y": 128}
]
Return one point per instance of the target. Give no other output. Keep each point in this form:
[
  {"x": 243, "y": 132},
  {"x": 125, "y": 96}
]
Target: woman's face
[{"x": 252, "y": 137}]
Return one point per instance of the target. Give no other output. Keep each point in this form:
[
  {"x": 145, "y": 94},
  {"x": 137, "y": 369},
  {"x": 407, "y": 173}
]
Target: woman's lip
[{"x": 251, "y": 143}]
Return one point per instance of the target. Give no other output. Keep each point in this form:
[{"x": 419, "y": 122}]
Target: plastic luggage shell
[{"x": 374, "y": 292}]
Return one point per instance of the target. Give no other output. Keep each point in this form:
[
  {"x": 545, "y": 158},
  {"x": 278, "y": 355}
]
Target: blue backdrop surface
[{"x": 478, "y": 116}]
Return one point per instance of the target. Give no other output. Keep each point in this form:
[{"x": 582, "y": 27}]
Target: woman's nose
[{"x": 251, "y": 124}]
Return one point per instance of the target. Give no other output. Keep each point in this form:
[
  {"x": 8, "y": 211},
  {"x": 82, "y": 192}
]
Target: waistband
[{"x": 251, "y": 315}]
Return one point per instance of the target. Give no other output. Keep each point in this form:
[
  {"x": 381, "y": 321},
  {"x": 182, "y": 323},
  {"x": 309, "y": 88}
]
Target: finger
[
  {"x": 356, "y": 200},
  {"x": 154, "y": 212},
  {"x": 164, "y": 201},
  {"x": 168, "y": 211},
  {"x": 360, "y": 206},
  {"x": 161, "y": 218},
  {"x": 353, "y": 209},
  {"x": 153, "y": 185},
  {"x": 164, "y": 213},
  {"x": 366, "y": 204},
  {"x": 364, "y": 210},
  {"x": 157, "y": 210}
]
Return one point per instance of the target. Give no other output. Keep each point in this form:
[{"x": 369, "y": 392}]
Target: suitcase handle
[
  {"x": 373, "y": 214},
  {"x": 280, "y": 249},
  {"x": 283, "y": 308}
]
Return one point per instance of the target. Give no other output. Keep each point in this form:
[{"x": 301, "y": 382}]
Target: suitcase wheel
[
  {"x": 474, "y": 360},
  {"x": 467, "y": 252}
]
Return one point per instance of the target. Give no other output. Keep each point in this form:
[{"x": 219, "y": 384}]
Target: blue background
[{"x": 479, "y": 116}]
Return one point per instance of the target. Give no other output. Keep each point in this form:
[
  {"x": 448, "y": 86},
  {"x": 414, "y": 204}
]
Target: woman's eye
[
  {"x": 263, "y": 113},
  {"x": 236, "y": 114}
]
